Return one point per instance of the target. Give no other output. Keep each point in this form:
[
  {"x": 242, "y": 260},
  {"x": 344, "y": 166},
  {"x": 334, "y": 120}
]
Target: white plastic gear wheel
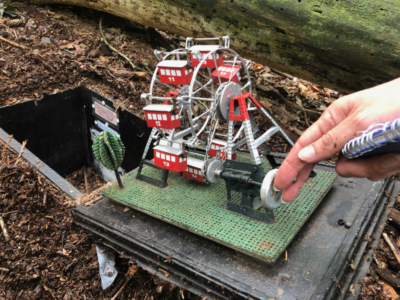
[{"x": 270, "y": 198}]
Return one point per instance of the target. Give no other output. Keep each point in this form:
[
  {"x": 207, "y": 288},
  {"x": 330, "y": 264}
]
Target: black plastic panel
[{"x": 58, "y": 129}]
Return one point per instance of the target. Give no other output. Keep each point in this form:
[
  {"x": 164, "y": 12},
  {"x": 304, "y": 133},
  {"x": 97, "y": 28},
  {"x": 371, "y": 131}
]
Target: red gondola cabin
[
  {"x": 219, "y": 146},
  {"x": 162, "y": 116},
  {"x": 174, "y": 72},
  {"x": 225, "y": 73},
  {"x": 204, "y": 50},
  {"x": 194, "y": 169},
  {"x": 170, "y": 158}
]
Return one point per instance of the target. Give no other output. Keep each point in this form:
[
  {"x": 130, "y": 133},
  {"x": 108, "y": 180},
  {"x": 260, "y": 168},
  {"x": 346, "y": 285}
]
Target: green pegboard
[{"x": 201, "y": 209}]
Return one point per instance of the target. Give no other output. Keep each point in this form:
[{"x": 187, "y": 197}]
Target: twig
[
  {"x": 11, "y": 43},
  {"x": 282, "y": 74},
  {"x": 10, "y": 212},
  {"x": 305, "y": 118},
  {"x": 44, "y": 197},
  {"x": 3, "y": 226},
  {"x": 112, "y": 48},
  {"x": 4, "y": 152},
  {"x": 122, "y": 287},
  {"x": 392, "y": 247},
  {"x": 50, "y": 291},
  {"x": 86, "y": 182},
  {"x": 4, "y": 269},
  {"x": 115, "y": 112},
  {"x": 20, "y": 152}
]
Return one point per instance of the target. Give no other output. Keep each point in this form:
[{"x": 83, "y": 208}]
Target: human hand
[{"x": 340, "y": 123}]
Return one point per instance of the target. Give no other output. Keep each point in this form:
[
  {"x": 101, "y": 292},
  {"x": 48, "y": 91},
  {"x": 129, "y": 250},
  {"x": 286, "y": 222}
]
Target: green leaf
[
  {"x": 10, "y": 13},
  {"x": 8, "y": 8},
  {"x": 2, "y": 8}
]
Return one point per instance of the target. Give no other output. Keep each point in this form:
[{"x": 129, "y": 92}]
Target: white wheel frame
[{"x": 187, "y": 102}]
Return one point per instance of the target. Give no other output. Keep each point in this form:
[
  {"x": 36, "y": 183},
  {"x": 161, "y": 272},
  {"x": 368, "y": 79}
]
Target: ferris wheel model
[{"x": 194, "y": 92}]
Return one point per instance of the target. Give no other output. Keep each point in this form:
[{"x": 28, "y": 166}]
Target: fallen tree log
[{"x": 344, "y": 45}]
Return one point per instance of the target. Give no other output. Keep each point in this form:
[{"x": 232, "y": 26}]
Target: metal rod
[
  {"x": 246, "y": 85},
  {"x": 233, "y": 66},
  {"x": 203, "y": 114},
  {"x": 118, "y": 179},
  {"x": 203, "y": 87},
  {"x": 200, "y": 99},
  {"x": 270, "y": 132},
  {"x": 216, "y": 67},
  {"x": 169, "y": 53},
  {"x": 185, "y": 132},
  {"x": 207, "y": 39},
  {"x": 277, "y": 126}
]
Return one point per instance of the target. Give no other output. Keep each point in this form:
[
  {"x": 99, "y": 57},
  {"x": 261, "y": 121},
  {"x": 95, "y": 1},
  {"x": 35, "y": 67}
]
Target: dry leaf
[
  {"x": 169, "y": 258},
  {"x": 352, "y": 265},
  {"x": 103, "y": 59},
  {"x": 352, "y": 290},
  {"x": 73, "y": 238},
  {"x": 166, "y": 274},
  {"x": 133, "y": 270},
  {"x": 388, "y": 290}
]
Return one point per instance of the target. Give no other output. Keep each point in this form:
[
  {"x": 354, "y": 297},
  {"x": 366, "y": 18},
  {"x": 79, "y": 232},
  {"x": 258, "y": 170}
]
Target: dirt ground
[
  {"x": 44, "y": 255},
  {"x": 46, "y": 50}
]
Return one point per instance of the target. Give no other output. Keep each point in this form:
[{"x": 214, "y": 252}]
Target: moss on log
[{"x": 345, "y": 45}]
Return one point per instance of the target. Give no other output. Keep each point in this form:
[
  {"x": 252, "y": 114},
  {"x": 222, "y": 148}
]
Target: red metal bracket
[{"x": 238, "y": 101}]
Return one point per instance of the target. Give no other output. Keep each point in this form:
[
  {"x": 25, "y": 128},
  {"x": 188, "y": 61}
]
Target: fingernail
[
  {"x": 307, "y": 153},
  {"x": 284, "y": 201},
  {"x": 276, "y": 189},
  {"x": 391, "y": 162}
]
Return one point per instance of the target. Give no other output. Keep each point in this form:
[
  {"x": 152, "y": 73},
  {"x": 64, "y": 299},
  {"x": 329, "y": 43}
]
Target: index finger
[{"x": 292, "y": 165}]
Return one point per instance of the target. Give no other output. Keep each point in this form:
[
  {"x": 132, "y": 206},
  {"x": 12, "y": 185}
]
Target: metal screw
[
  {"x": 228, "y": 165},
  {"x": 255, "y": 169}
]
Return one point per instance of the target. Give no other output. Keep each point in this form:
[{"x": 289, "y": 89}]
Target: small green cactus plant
[{"x": 109, "y": 150}]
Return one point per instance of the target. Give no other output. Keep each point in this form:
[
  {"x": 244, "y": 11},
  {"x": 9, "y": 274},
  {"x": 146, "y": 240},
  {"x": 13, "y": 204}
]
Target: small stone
[
  {"x": 350, "y": 181},
  {"x": 284, "y": 277},
  {"x": 348, "y": 225},
  {"x": 280, "y": 292},
  {"x": 93, "y": 54}
]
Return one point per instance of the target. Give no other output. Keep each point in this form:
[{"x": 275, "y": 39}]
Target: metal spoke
[
  {"x": 233, "y": 67},
  {"x": 203, "y": 87},
  {"x": 246, "y": 85},
  {"x": 216, "y": 67}
]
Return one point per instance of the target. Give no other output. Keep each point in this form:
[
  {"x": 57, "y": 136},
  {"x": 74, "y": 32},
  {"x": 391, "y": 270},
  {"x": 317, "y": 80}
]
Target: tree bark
[{"x": 344, "y": 45}]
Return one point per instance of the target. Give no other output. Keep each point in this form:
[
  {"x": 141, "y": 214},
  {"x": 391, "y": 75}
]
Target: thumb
[{"x": 330, "y": 143}]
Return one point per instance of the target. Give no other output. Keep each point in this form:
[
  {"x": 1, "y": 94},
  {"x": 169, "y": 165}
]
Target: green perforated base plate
[{"x": 201, "y": 209}]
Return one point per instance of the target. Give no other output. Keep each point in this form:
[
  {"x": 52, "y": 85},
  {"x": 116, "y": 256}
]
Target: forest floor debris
[{"x": 45, "y": 255}]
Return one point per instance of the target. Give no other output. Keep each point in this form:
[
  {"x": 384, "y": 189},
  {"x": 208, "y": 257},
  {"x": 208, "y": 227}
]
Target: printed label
[{"x": 105, "y": 113}]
